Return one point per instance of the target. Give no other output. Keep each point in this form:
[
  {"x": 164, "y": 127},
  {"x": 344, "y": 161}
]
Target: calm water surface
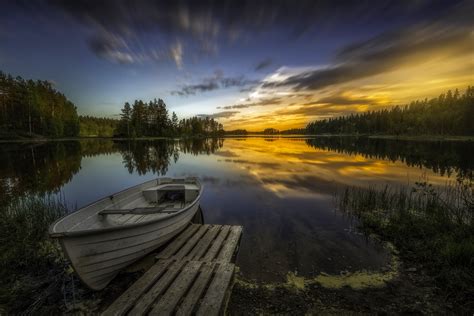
[{"x": 280, "y": 189}]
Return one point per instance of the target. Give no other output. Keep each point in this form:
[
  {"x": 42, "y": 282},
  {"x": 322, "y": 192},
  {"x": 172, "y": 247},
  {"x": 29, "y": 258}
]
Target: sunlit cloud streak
[
  {"x": 263, "y": 102},
  {"x": 224, "y": 114},
  {"x": 389, "y": 51}
]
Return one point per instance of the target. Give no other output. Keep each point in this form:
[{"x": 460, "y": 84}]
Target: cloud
[
  {"x": 195, "y": 88},
  {"x": 389, "y": 51},
  {"x": 112, "y": 48},
  {"x": 224, "y": 114},
  {"x": 336, "y": 99},
  {"x": 176, "y": 52},
  {"x": 215, "y": 82},
  {"x": 147, "y": 26},
  {"x": 263, "y": 102},
  {"x": 263, "y": 64}
]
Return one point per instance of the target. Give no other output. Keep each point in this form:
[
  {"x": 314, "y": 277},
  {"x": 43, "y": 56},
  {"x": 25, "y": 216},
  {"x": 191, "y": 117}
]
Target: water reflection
[
  {"x": 280, "y": 189},
  {"x": 37, "y": 168},
  {"x": 45, "y": 167},
  {"x": 155, "y": 156},
  {"x": 443, "y": 157}
]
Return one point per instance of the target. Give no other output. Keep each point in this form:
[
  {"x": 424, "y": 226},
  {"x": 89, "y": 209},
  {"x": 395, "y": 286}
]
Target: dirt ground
[{"x": 411, "y": 292}]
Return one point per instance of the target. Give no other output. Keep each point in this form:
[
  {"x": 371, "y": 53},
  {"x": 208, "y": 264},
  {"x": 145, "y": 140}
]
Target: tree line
[
  {"x": 91, "y": 126},
  {"x": 452, "y": 113},
  {"x": 35, "y": 107},
  {"x": 267, "y": 131},
  {"x": 152, "y": 119}
]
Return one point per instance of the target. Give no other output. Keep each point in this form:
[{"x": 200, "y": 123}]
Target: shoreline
[{"x": 386, "y": 137}]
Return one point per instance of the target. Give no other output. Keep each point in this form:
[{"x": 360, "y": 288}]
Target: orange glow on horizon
[{"x": 409, "y": 82}]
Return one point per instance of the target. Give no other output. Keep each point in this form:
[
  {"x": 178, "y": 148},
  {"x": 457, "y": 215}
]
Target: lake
[{"x": 282, "y": 190}]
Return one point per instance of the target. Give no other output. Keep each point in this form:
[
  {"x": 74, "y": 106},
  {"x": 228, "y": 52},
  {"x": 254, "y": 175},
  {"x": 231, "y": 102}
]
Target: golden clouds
[{"x": 393, "y": 68}]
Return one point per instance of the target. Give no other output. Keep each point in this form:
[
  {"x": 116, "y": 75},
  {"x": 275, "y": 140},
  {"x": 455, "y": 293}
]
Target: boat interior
[{"x": 146, "y": 202}]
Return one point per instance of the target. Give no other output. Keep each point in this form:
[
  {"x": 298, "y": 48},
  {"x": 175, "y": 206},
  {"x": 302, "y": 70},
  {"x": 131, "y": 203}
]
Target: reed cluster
[
  {"x": 431, "y": 226},
  {"x": 32, "y": 267}
]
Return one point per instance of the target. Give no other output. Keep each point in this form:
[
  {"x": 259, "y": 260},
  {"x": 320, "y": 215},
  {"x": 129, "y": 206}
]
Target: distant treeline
[
  {"x": 152, "y": 119},
  {"x": 97, "y": 126},
  {"x": 237, "y": 132},
  {"x": 268, "y": 131},
  {"x": 451, "y": 113},
  {"x": 35, "y": 107}
]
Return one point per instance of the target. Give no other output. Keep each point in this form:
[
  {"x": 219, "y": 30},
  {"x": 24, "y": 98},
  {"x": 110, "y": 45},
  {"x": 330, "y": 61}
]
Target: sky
[{"x": 249, "y": 64}]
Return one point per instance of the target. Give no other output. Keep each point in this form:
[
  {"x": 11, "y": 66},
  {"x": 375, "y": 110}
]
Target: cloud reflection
[{"x": 291, "y": 168}]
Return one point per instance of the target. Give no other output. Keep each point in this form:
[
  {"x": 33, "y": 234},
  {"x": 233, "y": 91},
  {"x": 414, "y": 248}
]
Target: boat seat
[{"x": 139, "y": 211}]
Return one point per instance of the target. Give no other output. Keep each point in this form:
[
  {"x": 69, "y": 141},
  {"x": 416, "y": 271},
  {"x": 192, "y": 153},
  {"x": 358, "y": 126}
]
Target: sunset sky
[{"x": 250, "y": 64}]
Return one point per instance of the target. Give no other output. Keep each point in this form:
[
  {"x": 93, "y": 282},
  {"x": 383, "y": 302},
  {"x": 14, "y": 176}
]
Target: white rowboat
[{"x": 110, "y": 234}]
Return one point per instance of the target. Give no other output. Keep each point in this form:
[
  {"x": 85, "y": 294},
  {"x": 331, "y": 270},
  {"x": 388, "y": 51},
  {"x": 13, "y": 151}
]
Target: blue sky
[{"x": 234, "y": 59}]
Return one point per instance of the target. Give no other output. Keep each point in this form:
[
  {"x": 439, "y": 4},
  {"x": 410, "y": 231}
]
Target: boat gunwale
[{"x": 54, "y": 234}]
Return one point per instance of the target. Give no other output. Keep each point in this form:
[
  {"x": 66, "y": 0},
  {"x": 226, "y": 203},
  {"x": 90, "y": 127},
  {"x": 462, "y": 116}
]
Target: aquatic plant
[
  {"x": 32, "y": 267},
  {"x": 24, "y": 240},
  {"x": 431, "y": 226}
]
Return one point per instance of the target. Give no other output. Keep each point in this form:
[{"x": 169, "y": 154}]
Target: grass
[
  {"x": 24, "y": 240},
  {"x": 431, "y": 227},
  {"x": 31, "y": 264}
]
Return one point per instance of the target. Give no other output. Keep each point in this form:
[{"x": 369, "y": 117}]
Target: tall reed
[
  {"x": 32, "y": 267},
  {"x": 431, "y": 226},
  {"x": 24, "y": 239}
]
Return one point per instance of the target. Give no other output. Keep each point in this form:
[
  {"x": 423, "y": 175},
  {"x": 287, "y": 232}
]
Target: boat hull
[{"x": 98, "y": 258}]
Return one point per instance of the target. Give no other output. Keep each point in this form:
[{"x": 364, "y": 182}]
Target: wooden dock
[{"x": 192, "y": 275}]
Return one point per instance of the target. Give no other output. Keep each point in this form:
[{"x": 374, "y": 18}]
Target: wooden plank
[
  {"x": 230, "y": 244},
  {"x": 147, "y": 300},
  {"x": 176, "y": 244},
  {"x": 189, "y": 302},
  {"x": 191, "y": 243},
  {"x": 177, "y": 285},
  {"x": 216, "y": 245},
  {"x": 214, "y": 298},
  {"x": 138, "y": 211},
  {"x": 133, "y": 293},
  {"x": 204, "y": 243},
  {"x": 167, "y": 304}
]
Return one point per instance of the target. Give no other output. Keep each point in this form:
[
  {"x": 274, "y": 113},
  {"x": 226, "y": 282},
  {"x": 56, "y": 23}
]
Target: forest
[
  {"x": 152, "y": 119},
  {"x": 91, "y": 126},
  {"x": 35, "y": 108},
  {"x": 452, "y": 113}
]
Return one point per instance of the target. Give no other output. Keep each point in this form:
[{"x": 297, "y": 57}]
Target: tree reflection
[
  {"x": 44, "y": 168},
  {"x": 200, "y": 146},
  {"x": 443, "y": 157},
  {"x": 146, "y": 156},
  {"x": 37, "y": 168},
  {"x": 155, "y": 155}
]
